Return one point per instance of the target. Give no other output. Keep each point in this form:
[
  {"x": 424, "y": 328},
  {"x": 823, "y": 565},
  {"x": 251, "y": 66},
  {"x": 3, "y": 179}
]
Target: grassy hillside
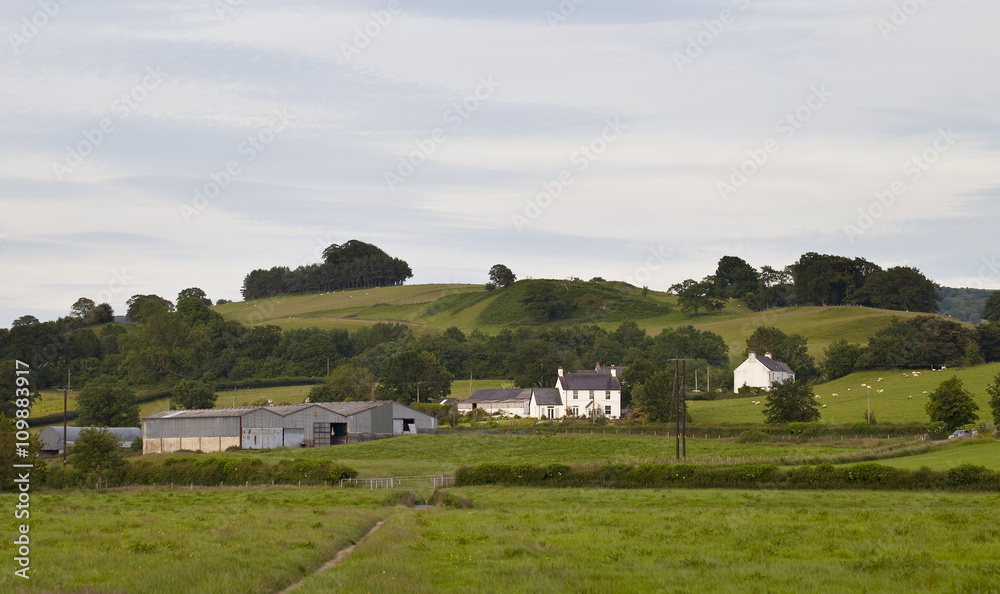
[
  {"x": 432, "y": 308},
  {"x": 981, "y": 453},
  {"x": 902, "y": 400}
]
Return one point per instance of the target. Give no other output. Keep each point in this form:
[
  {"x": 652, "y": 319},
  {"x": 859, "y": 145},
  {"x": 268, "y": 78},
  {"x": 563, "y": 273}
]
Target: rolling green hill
[{"x": 432, "y": 308}]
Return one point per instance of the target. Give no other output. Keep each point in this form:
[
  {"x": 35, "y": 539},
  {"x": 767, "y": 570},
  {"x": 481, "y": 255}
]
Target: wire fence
[{"x": 412, "y": 482}]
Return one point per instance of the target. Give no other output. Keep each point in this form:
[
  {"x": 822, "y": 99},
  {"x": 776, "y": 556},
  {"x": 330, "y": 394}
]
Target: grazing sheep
[
  {"x": 909, "y": 397},
  {"x": 880, "y": 391},
  {"x": 824, "y": 406},
  {"x": 925, "y": 391},
  {"x": 838, "y": 394},
  {"x": 817, "y": 396},
  {"x": 879, "y": 379}
]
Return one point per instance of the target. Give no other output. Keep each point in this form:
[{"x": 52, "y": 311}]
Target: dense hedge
[
  {"x": 868, "y": 475},
  {"x": 206, "y": 471}
]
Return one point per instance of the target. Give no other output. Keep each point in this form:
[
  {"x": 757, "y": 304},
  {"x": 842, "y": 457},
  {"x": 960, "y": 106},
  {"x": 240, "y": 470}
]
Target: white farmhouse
[
  {"x": 591, "y": 392},
  {"x": 761, "y": 372}
]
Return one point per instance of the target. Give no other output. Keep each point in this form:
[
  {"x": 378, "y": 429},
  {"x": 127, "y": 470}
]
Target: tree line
[
  {"x": 352, "y": 265},
  {"x": 815, "y": 279}
]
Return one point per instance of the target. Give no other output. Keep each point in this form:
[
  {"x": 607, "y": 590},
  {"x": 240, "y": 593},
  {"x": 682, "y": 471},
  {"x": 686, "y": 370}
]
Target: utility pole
[
  {"x": 66, "y": 388},
  {"x": 708, "y": 378}
]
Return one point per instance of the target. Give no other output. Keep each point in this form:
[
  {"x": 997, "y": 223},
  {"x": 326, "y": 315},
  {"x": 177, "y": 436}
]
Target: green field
[
  {"x": 427, "y": 308},
  {"x": 902, "y": 399},
  {"x": 435, "y": 454},
  {"x": 981, "y": 453},
  {"x": 523, "y": 540}
]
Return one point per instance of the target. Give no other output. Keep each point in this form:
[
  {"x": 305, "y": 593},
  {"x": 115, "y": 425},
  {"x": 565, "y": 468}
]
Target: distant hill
[
  {"x": 963, "y": 304},
  {"x": 433, "y": 308}
]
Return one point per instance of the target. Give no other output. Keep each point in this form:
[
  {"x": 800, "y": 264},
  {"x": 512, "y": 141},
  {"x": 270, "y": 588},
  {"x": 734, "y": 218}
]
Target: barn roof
[
  {"x": 547, "y": 397},
  {"x": 499, "y": 395},
  {"x": 343, "y": 408}
]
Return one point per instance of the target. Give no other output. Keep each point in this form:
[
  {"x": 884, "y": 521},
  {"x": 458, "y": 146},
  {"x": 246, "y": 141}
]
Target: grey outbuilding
[
  {"x": 52, "y": 437},
  {"x": 267, "y": 427}
]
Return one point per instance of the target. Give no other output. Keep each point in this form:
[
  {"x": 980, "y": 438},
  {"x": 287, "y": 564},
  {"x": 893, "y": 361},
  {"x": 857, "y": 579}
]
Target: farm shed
[
  {"x": 267, "y": 427},
  {"x": 52, "y": 437}
]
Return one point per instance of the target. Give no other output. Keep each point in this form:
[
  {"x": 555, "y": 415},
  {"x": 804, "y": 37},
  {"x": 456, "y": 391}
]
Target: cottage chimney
[
  {"x": 560, "y": 372},
  {"x": 614, "y": 371},
  {"x": 752, "y": 355},
  {"x": 768, "y": 355}
]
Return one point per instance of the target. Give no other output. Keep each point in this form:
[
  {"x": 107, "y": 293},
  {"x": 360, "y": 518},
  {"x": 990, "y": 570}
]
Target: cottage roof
[
  {"x": 773, "y": 365},
  {"x": 499, "y": 395},
  {"x": 588, "y": 380},
  {"x": 547, "y": 397}
]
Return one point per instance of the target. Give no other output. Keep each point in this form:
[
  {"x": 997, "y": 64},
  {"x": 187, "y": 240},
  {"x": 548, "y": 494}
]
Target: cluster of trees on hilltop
[
  {"x": 352, "y": 265},
  {"x": 815, "y": 279}
]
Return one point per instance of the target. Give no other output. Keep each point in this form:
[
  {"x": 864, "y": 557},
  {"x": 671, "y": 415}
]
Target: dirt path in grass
[{"x": 339, "y": 558}]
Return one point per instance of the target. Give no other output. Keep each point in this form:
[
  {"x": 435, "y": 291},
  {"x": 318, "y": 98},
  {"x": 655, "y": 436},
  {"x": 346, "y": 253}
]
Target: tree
[
  {"x": 900, "y": 288},
  {"x": 534, "y": 363},
  {"x": 991, "y": 309},
  {"x": 26, "y": 320},
  {"x": 108, "y": 402},
  {"x": 840, "y": 359},
  {"x": 637, "y": 374},
  {"x": 653, "y": 399},
  {"x": 101, "y": 314},
  {"x": 191, "y": 395},
  {"x": 735, "y": 278},
  {"x": 501, "y": 276},
  {"x": 828, "y": 280},
  {"x": 791, "y": 402},
  {"x": 141, "y": 307},
  {"x": 695, "y": 295},
  {"x": 994, "y": 391},
  {"x": 196, "y": 293},
  {"x": 346, "y": 383},
  {"x": 543, "y": 302},
  {"x": 82, "y": 307},
  {"x": 410, "y": 374},
  {"x": 95, "y": 452},
  {"x": 11, "y": 390},
  {"x": 952, "y": 405}
]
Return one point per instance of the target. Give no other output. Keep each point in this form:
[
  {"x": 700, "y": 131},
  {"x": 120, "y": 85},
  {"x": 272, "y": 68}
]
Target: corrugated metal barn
[
  {"x": 52, "y": 437},
  {"x": 266, "y": 427}
]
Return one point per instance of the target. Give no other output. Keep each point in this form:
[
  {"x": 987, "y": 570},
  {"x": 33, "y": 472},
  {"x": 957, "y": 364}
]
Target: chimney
[
  {"x": 752, "y": 355},
  {"x": 614, "y": 371},
  {"x": 768, "y": 355},
  {"x": 560, "y": 372}
]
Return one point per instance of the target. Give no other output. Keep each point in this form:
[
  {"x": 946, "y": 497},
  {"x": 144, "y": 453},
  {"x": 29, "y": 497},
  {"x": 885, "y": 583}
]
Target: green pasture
[
  {"x": 902, "y": 398},
  {"x": 983, "y": 452},
  {"x": 205, "y": 540},
  {"x": 444, "y": 453}
]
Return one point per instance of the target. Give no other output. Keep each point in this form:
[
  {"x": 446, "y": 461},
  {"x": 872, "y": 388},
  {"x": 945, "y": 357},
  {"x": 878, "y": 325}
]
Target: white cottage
[
  {"x": 761, "y": 372},
  {"x": 584, "y": 393}
]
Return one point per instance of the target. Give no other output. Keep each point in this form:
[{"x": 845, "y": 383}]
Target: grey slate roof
[
  {"x": 547, "y": 397},
  {"x": 499, "y": 395},
  {"x": 344, "y": 408},
  {"x": 773, "y": 365},
  {"x": 588, "y": 380}
]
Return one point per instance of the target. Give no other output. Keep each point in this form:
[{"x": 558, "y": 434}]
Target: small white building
[
  {"x": 584, "y": 393},
  {"x": 510, "y": 402},
  {"x": 761, "y": 372}
]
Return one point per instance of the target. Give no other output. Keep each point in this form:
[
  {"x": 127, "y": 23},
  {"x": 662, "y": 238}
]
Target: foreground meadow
[
  {"x": 530, "y": 540},
  {"x": 512, "y": 539}
]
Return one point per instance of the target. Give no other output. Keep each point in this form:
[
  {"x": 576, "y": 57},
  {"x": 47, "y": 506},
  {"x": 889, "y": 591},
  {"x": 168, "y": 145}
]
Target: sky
[{"x": 148, "y": 147}]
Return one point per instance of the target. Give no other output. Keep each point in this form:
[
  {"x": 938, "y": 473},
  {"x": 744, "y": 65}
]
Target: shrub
[
  {"x": 752, "y": 436},
  {"x": 445, "y": 499},
  {"x": 405, "y": 498}
]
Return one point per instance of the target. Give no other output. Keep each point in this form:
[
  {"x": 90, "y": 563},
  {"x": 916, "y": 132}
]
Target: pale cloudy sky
[{"x": 586, "y": 138}]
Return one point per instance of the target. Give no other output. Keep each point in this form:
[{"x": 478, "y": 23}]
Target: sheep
[
  {"x": 879, "y": 379},
  {"x": 910, "y": 397},
  {"x": 835, "y": 394},
  {"x": 817, "y": 396},
  {"x": 824, "y": 406}
]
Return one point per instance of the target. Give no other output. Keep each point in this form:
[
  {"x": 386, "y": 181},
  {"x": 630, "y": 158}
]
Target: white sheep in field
[
  {"x": 925, "y": 391},
  {"x": 880, "y": 391},
  {"x": 817, "y": 396},
  {"x": 909, "y": 397},
  {"x": 824, "y": 406},
  {"x": 835, "y": 394},
  {"x": 879, "y": 379}
]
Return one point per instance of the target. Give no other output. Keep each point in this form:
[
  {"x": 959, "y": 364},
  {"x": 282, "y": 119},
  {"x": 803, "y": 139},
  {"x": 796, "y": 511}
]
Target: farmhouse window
[
  {"x": 607, "y": 410},
  {"x": 607, "y": 395},
  {"x": 575, "y": 394}
]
